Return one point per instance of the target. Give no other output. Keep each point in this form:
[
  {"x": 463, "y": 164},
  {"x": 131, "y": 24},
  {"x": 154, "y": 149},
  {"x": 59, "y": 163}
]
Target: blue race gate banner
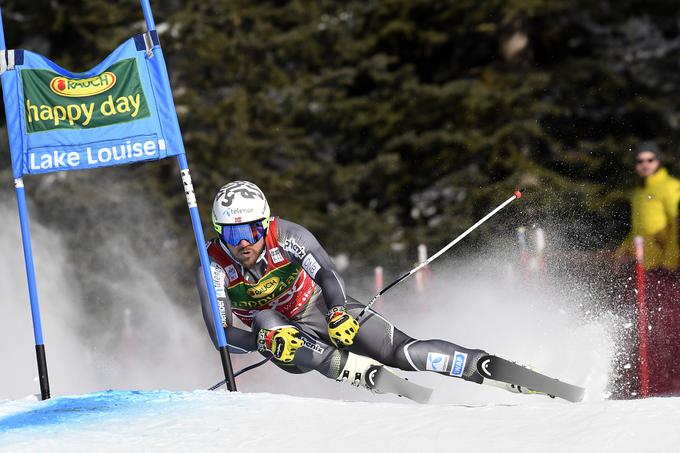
[{"x": 119, "y": 112}]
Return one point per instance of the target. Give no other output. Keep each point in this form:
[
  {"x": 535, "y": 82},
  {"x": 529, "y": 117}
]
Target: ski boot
[
  {"x": 360, "y": 371},
  {"x": 377, "y": 378}
]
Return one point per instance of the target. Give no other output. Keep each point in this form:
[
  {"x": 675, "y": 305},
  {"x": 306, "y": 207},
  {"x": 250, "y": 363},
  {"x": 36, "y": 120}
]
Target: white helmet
[{"x": 239, "y": 202}]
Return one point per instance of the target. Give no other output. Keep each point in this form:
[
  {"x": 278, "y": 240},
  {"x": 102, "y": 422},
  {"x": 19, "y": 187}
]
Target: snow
[
  {"x": 471, "y": 304},
  {"x": 206, "y": 421}
]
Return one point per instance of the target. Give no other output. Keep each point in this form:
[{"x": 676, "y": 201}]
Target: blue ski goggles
[{"x": 234, "y": 234}]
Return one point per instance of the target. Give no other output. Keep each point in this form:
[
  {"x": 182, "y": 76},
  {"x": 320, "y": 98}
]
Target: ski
[
  {"x": 498, "y": 369},
  {"x": 381, "y": 380}
]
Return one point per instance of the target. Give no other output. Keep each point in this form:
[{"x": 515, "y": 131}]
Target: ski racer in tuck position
[{"x": 275, "y": 277}]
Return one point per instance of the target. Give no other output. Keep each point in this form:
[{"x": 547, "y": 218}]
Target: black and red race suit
[{"x": 294, "y": 282}]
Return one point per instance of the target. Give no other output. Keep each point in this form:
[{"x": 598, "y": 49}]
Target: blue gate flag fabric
[{"x": 121, "y": 111}]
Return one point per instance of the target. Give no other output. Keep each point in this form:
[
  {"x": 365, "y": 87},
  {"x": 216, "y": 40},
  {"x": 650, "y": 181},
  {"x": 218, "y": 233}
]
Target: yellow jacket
[{"x": 654, "y": 216}]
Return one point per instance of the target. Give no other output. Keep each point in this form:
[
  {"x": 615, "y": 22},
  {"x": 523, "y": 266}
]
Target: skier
[{"x": 275, "y": 277}]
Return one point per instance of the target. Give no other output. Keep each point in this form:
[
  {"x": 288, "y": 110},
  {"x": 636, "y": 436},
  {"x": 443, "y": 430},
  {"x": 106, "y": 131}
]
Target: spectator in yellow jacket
[{"x": 654, "y": 211}]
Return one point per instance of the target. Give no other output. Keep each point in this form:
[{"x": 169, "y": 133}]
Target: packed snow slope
[
  {"x": 552, "y": 325},
  {"x": 206, "y": 421}
]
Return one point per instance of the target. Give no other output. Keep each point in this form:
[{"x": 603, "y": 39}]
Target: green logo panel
[
  {"x": 52, "y": 101},
  {"x": 250, "y": 296}
]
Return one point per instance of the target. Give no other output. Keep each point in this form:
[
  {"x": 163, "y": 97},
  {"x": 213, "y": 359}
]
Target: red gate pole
[
  {"x": 643, "y": 324},
  {"x": 378, "y": 279},
  {"x": 420, "y": 276},
  {"x": 523, "y": 253}
]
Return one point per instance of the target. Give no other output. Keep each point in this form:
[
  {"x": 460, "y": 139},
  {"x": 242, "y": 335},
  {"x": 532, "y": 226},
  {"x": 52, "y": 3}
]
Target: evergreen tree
[{"x": 382, "y": 124}]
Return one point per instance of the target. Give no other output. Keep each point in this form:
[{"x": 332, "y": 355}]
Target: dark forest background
[{"x": 378, "y": 124}]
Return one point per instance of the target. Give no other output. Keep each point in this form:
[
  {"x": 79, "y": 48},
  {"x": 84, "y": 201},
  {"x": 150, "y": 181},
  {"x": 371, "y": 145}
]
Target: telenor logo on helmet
[
  {"x": 78, "y": 88},
  {"x": 264, "y": 289},
  {"x": 237, "y": 211}
]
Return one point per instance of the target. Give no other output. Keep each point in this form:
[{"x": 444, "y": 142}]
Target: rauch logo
[
  {"x": 265, "y": 288},
  {"x": 78, "y": 88}
]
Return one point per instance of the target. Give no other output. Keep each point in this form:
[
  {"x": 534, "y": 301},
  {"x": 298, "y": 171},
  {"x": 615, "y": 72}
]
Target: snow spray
[{"x": 102, "y": 325}]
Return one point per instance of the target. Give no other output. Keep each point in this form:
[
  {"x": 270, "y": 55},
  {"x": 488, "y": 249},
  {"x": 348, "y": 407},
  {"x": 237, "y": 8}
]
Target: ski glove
[
  {"x": 342, "y": 327},
  {"x": 282, "y": 342}
]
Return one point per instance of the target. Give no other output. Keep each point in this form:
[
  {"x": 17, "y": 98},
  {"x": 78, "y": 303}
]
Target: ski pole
[
  {"x": 248, "y": 368},
  {"x": 517, "y": 194}
]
